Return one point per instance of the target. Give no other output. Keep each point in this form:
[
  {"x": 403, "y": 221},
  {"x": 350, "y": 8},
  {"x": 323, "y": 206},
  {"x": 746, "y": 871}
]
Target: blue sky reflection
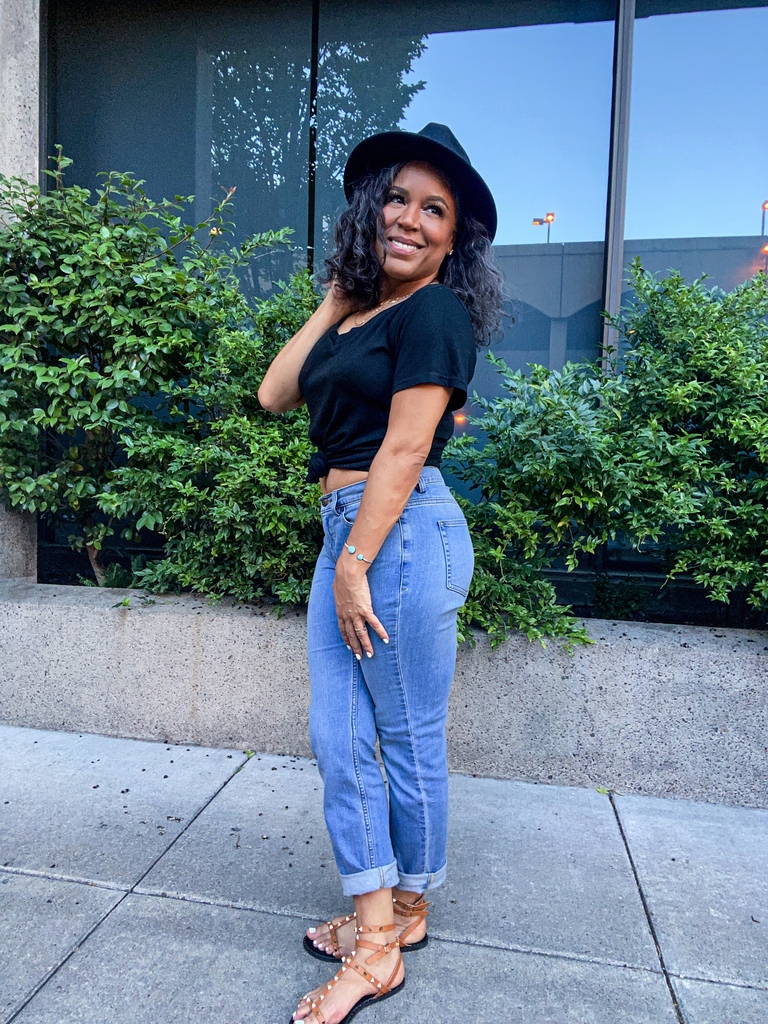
[{"x": 531, "y": 105}]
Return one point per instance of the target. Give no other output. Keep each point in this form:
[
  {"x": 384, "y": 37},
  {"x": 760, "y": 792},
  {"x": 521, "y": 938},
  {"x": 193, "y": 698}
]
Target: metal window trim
[
  {"x": 617, "y": 170},
  {"x": 314, "y": 58},
  {"x": 46, "y": 57}
]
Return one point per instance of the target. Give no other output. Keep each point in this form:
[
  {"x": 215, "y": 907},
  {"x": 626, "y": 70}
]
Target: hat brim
[{"x": 387, "y": 148}]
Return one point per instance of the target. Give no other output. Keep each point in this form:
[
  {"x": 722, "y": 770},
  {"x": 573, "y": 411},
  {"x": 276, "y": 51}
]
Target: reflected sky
[
  {"x": 532, "y": 106},
  {"x": 698, "y": 129}
]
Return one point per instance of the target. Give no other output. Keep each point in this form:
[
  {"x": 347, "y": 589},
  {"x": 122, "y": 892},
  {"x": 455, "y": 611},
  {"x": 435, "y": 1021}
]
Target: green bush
[
  {"x": 697, "y": 368},
  {"x": 668, "y": 445},
  {"x": 558, "y": 474},
  {"x": 224, "y": 481},
  {"x": 104, "y": 301}
]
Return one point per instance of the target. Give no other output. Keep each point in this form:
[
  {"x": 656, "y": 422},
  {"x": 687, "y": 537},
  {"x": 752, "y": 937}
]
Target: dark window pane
[
  {"x": 526, "y": 88},
  {"x": 193, "y": 98},
  {"x": 698, "y": 162}
]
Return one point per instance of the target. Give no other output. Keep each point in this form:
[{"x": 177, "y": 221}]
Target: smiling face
[{"x": 419, "y": 228}]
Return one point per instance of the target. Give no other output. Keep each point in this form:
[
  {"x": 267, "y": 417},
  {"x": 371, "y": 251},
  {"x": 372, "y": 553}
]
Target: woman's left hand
[{"x": 353, "y": 608}]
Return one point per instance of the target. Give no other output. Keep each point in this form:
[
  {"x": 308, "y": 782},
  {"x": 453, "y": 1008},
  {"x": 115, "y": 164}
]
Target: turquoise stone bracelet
[{"x": 352, "y": 549}]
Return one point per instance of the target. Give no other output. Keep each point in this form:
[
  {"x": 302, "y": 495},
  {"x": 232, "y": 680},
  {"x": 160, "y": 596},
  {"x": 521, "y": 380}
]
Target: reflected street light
[
  {"x": 547, "y": 219},
  {"x": 764, "y": 207}
]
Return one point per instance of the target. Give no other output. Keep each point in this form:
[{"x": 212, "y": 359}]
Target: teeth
[{"x": 404, "y": 245}]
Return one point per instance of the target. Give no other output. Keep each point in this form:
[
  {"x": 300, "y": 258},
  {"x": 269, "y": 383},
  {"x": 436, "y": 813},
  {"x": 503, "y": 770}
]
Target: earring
[{"x": 450, "y": 252}]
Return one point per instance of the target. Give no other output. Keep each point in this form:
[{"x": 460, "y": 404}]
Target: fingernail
[
  {"x": 312, "y": 931},
  {"x": 348, "y": 647},
  {"x": 386, "y": 641},
  {"x": 359, "y": 657},
  {"x": 369, "y": 653}
]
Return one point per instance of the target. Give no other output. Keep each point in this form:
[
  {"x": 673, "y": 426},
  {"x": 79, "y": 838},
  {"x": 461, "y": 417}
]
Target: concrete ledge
[{"x": 674, "y": 711}]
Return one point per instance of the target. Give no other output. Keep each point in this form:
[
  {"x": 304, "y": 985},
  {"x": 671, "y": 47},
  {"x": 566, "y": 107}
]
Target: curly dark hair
[{"x": 470, "y": 272}]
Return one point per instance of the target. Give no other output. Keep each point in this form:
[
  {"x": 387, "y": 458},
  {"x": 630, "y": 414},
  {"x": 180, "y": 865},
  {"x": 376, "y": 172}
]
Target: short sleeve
[{"x": 434, "y": 343}]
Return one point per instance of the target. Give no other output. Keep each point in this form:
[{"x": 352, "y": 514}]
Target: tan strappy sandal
[
  {"x": 418, "y": 911},
  {"x": 384, "y": 989}
]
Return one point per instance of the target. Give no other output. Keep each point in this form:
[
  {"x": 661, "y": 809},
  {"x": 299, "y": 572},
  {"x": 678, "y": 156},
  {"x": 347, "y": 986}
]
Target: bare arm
[
  {"x": 279, "y": 391},
  {"x": 394, "y": 473}
]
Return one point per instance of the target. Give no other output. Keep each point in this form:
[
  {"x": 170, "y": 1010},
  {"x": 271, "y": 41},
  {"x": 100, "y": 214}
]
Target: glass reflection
[
  {"x": 698, "y": 160},
  {"x": 363, "y": 88},
  {"x": 253, "y": 133},
  {"x": 194, "y": 101}
]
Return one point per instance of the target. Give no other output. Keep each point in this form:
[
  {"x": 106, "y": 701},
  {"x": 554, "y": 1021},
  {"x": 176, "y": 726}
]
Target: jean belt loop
[{"x": 421, "y": 486}]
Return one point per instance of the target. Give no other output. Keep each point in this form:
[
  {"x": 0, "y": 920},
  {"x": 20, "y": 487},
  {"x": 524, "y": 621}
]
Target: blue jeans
[{"x": 418, "y": 581}]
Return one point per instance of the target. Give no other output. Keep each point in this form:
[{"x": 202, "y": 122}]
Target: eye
[
  {"x": 436, "y": 208},
  {"x": 394, "y": 197}
]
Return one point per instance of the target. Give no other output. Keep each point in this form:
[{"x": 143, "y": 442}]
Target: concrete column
[
  {"x": 19, "y": 155},
  {"x": 18, "y": 545},
  {"x": 20, "y": 88},
  {"x": 558, "y": 332}
]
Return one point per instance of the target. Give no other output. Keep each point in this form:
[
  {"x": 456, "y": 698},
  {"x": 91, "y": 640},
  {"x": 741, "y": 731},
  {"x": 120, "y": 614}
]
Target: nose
[{"x": 409, "y": 215}]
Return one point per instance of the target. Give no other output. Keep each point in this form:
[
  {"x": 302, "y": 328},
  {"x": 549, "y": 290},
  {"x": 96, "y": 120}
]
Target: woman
[{"x": 381, "y": 364}]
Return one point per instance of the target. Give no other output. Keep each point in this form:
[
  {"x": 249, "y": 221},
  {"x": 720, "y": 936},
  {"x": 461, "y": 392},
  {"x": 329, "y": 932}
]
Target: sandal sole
[{"x": 329, "y": 958}]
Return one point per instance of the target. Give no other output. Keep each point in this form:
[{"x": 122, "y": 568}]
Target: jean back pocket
[{"x": 459, "y": 556}]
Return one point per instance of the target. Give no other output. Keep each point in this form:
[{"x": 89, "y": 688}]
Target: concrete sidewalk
[{"x": 143, "y": 883}]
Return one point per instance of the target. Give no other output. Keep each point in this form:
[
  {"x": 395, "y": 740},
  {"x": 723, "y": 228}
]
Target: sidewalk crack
[{"x": 647, "y": 911}]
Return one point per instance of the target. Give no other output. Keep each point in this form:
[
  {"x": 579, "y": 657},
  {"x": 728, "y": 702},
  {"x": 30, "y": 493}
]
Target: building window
[
  {"x": 194, "y": 98},
  {"x": 698, "y": 153}
]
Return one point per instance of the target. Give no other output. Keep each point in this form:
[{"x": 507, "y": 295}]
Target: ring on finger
[{"x": 360, "y": 632}]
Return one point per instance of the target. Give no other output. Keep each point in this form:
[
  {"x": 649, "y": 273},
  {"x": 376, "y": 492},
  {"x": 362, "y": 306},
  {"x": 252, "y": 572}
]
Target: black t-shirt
[{"x": 348, "y": 380}]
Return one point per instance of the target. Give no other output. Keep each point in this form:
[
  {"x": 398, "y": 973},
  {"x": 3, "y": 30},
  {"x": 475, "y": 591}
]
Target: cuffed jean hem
[
  {"x": 371, "y": 880},
  {"x": 420, "y": 883}
]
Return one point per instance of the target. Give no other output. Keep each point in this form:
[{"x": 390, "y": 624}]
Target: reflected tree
[
  {"x": 363, "y": 88},
  {"x": 260, "y": 127}
]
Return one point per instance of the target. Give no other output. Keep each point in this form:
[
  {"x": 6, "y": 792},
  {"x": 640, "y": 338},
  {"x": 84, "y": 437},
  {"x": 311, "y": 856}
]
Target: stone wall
[{"x": 674, "y": 711}]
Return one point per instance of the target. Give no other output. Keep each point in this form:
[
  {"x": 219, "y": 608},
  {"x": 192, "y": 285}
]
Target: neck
[{"x": 400, "y": 289}]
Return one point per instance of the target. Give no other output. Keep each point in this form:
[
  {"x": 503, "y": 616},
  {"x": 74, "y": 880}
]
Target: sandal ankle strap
[
  {"x": 417, "y": 909},
  {"x": 379, "y": 949}
]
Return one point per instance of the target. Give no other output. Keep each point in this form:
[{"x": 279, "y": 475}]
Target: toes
[{"x": 302, "y": 1010}]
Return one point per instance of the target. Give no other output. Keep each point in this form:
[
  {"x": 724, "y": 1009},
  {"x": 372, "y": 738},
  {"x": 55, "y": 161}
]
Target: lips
[{"x": 402, "y": 247}]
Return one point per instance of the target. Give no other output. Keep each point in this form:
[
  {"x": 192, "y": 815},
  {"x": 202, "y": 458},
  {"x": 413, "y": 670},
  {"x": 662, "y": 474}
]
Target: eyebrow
[{"x": 427, "y": 199}]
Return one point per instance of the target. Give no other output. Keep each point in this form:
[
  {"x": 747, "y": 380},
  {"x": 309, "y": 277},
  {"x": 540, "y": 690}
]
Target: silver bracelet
[{"x": 352, "y": 549}]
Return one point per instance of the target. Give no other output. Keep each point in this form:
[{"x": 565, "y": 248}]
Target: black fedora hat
[{"x": 435, "y": 144}]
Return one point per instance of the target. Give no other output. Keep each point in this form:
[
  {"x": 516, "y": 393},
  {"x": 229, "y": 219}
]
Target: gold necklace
[{"x": 381, "y": 306}]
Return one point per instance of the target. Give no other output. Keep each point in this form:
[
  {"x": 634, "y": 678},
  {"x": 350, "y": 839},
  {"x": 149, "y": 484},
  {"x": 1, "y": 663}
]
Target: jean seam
[
  {"x": 422, "y": 795},
  {"x": 358, "y": 773}
]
